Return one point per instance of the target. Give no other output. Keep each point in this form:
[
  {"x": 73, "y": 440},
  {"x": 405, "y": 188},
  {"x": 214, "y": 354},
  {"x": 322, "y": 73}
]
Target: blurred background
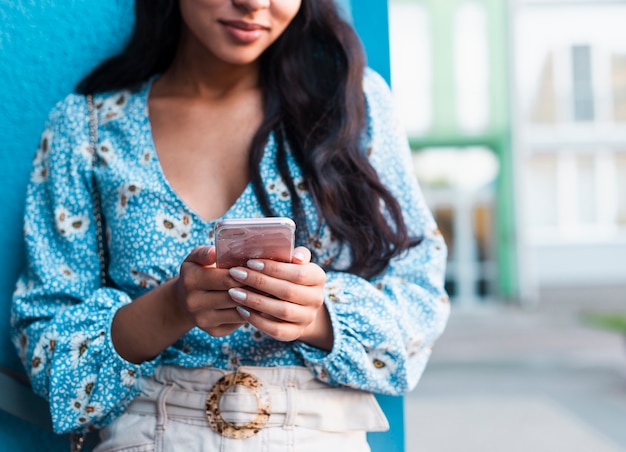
[{"x": 516, "y": 113}]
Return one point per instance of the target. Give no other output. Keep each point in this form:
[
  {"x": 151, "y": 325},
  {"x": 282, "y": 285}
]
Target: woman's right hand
[
  {"x": 202, "y": 293},
  {"x": 198, "y": 296}
]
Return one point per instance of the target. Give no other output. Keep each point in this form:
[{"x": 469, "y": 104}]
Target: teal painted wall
[
  {"x": 46, "y": 46},
  {"x": 371, "y": 19}
]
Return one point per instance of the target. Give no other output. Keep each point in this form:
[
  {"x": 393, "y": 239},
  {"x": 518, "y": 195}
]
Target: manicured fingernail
[
  {"x": 238, "y": 274},
  {"x": 256, "y": 265},
  {"x": 244, "y": 312},
  {"x": 238, "y": 295},
  {"x": 298, "y": 255}
]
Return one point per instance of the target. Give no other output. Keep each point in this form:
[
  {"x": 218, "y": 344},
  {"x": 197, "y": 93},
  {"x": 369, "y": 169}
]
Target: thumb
[
  {"x": 301, "y": 255},
  {"x": 203, "y": 256}
]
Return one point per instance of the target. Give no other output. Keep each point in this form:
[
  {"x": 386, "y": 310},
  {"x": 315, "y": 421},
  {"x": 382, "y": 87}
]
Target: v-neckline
[{"x": 151, "y": 146}]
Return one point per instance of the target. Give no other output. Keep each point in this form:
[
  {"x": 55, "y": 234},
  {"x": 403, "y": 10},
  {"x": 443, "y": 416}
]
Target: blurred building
[
  {"x": 570, "y": 140},
  {"x": 516, "y": 113},
  {"x": 450, "y": 78}
]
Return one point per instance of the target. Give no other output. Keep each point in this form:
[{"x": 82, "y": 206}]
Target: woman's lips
[{"x": 244, "y": 32}]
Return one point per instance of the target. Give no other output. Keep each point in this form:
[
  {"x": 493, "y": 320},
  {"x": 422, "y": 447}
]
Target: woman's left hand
[{"x": 285, "y": 300}]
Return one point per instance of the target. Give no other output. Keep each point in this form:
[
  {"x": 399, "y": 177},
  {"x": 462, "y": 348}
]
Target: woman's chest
[{"x": 203, "y": 153}]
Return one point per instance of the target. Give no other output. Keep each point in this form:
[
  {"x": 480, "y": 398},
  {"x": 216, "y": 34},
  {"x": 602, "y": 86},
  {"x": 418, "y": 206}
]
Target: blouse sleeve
[
  {"x": 385, "y": 327},
  {"x": 61, "y": 316}
]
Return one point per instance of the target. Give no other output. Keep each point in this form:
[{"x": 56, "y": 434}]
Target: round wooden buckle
[{"x": 214, "y": 414}]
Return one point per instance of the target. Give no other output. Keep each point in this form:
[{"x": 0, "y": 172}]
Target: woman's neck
[{"x": 197, "y": 73}]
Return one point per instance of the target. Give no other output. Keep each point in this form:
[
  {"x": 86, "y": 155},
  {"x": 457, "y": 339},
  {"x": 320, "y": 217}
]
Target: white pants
[{"x": 304, "y": 414}]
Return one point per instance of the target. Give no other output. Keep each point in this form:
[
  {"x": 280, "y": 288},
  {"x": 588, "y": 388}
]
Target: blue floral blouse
[{"x": 61, "y": 317}]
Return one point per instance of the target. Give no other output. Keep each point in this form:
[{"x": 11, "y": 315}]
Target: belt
[{"x": 233, "y": 399}]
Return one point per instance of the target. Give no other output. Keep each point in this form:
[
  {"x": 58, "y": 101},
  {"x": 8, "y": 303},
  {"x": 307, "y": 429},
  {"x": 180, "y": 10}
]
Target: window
[
  {"x": 618, "y": 82},
  {"x": 582, "y": 84}
]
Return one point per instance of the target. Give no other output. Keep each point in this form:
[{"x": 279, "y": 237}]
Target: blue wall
[
  {"x": 371, "y": 19},
  {"x": 45, "y": 48}
]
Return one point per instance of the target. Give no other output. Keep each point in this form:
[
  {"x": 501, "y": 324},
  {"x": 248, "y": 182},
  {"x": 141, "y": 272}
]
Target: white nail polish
[
  {"x": 238, "y": 274},
  {"x": 256, "y": 265},
  {"x": 244, "y": 312},
  {"x": 238, "y": 295}
]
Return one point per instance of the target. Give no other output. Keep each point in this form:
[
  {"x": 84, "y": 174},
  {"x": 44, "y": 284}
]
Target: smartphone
[{"x": 241, "y": 239}]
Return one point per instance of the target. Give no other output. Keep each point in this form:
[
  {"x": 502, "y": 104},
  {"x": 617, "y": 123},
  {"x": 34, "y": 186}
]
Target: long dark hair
[{"x": 314, "y": 104}]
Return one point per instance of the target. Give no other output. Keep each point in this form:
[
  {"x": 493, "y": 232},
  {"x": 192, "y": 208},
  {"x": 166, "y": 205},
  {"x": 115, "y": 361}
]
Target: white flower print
[
  {"x": 334, "y": 294},
  {"x": 414, "y": 344},
  {"x": 43, "y": 352},
  {"x": 185, "y": 347},
  {"x": 90, "y": 412},
  {"x": 112, "y": 107},
  {"x": 98, "y": 340},
  {"x": 382, "y": 361},
  {"x": 39, "y": 359},
  {"x": 146, "y": 157},
  {"x": 179, "y": 228},
  {"x": 234, "y": 360},
  {"x": 85, "y": 388},
  {"x": 254, "y": 332},
  {"x": 85, "y": 151},
  {"x": 93, "y": 410},
  {"x": 301, "y": 187},
  {"x": 79, "y": 344},
  {"x": 129, "y": 377},
  {"x": 22, "y": 287},
  {"x": 87, "y": 410},
  {"x": 70, "y": 225},
  {"x": 433, "y": 232},
  {"x": 40, "y": 173},
  {"x": 77, "y": 404},
  {"x": 21, "y": 342},
  {"x": 278, "y": 188},
  {"x": 106, "y": 152},
  {"x": 124, "y": 194},
  {"x": 44, "y": 146},
  {"x": 40, "y": 163},
  {"x": 66, "y": 271},
  {"x": 48, "y": 342},
  {"x": 143, "y": 279},
  {"x": 320, "y": 372},
  {"x": 325, "y": 247}
]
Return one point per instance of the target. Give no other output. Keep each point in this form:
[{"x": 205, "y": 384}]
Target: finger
[
  {"x": 201, "y": 304},
  {"x": 278, "y": 309},
  {"x": 195, "y": 278},
  {"x": 308, "y": 274},
  {"x": 203, "y": 256},
  {"x": 231, "y": 321},
  {"x": 276, "y": 329},
  {"x": 200, "y": 272},
  {"x": 225, "y": 330},
  {"x": 301, "y": 255},
  {"x": 213, "y": 320}
]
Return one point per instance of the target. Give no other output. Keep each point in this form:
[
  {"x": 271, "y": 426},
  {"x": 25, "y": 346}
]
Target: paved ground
[{"x": 504, "y": 379}]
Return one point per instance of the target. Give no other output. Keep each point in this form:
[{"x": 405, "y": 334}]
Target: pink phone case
[{"x": 238, "y": 240}]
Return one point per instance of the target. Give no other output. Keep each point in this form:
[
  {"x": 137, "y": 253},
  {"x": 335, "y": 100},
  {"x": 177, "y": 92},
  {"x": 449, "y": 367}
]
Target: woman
[{"x": 225, "y": 109}]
